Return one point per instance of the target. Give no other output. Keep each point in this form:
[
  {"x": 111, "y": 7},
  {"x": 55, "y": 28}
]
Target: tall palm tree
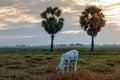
[
  {"x": 52, "y": 22},
  {"x": 92, "y": 20}
]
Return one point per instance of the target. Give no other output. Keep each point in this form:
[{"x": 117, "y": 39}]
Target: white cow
[{"x": 65, "y": 60}]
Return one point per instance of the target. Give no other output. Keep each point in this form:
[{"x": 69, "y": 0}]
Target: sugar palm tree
[
  {"x": 52, "y": 23},
  {"x": 92, "y": 20}
]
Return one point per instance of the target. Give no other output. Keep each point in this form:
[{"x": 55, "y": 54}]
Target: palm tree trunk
[
  {"x": 92, "y": 44},
  {"x": 52, "y": 39}
]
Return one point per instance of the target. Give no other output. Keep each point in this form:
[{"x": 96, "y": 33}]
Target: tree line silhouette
[{"x": 91, "y": 20}]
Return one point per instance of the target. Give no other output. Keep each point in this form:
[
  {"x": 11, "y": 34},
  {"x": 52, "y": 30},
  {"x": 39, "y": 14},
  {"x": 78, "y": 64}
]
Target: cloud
[
  {"x": 13, "y": 37},
  {"x": 117, "y": 28},
  {"x": 3, "y": 26},
  {"x": 25, "y": 13},
  {"x": 11, "y": 14},
  {"x": 10, "y": 17},
  {"x": 112, "y": 16},
  {"x": 104, "y": 2},
  {"x": 68, "y": 10},
  {"x": 7, "y": 2},
  {"x": 15, "y": 11},
  {"x": 111, "y": 10},
  {"x": 72, "y": 31},
  {"x": 28, "y": 11}
]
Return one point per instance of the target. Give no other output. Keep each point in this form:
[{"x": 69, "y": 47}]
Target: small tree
[
  {"x": 92, "y": 20},
  {"x": 51, "y": 22}
]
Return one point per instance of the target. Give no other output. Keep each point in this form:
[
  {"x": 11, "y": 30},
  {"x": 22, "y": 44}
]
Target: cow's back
[{"x": 73, "y": 54}]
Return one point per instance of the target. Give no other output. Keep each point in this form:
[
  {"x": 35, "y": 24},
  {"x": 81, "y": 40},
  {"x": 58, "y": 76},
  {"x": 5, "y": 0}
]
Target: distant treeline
[{"x": 58, "y": 50}]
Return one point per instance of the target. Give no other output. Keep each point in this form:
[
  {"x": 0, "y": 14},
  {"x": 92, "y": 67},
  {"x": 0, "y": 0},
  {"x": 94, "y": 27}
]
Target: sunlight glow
[
  {"x": 81, "y": 2},
  {"x": 72, "y": 32},
  {"x": 104, "y": 2},
  {"x": 112, "y": 12},
  {"x": 12, "y": 37},
  {"x": 109, "y": 2},
  {"x": 3, "y": 26},
  {"x": 68, "y": 10},
  {"x": 117, "y": 28}
]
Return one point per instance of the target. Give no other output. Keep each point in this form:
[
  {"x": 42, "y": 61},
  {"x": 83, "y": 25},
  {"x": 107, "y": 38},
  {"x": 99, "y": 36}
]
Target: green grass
[{"x": 40, "y": 64}]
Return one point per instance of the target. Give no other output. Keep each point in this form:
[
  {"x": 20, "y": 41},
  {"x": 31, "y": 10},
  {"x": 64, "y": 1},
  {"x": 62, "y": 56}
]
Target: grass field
[{"x": 40, "y": 64}]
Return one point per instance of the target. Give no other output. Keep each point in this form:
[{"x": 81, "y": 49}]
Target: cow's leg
[
  {"x": 63, "y": 69},
  {"x": 75, "y": 65},
  {"x": 67, "y": 68},
  {"x": 67, "y": 65}
]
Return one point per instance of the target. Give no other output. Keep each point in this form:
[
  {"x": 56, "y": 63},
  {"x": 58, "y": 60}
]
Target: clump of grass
[
  {"x": 101, "y": 68},
  {"x": 32, "y": 61},
  {"x": 16, "y": 67},
  {"x": 21, "y": 77},
  {"x": 51, "y": 69},
  {"x": 81, "y": 75},
  {"x": 41, "y": 70},
  {"x": 112, "y": 64},
  {"x": 49, "y": 58},
  {"x": 35, "y": 71},
  {"x": 36, "y": 59},
  {"x": 27, "y": 56},
  {"x": 114, "y": 60},
  {"x": 18, "y": 75}
]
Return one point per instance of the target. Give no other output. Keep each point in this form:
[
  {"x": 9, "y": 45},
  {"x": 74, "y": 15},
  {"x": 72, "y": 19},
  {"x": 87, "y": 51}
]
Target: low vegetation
[{"x": 40, "y": 64}]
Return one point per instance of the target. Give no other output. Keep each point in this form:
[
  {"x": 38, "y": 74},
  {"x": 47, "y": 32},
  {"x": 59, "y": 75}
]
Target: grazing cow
[{"x": 66, "y": 58}]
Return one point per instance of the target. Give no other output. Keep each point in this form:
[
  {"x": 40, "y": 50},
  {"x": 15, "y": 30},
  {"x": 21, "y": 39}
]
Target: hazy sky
[{"x": 20, "y": 22}]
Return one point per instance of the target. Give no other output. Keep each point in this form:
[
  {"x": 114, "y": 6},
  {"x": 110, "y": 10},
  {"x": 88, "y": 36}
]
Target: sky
[{"x": 20, "y": 22}]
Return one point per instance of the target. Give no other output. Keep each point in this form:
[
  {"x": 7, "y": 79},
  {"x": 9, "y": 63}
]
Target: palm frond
[
  {"x": 51, "y": 23},
  {"x": 92, "y": 20}
]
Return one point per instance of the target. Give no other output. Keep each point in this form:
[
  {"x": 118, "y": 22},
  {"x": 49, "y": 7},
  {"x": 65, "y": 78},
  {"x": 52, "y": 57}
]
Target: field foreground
[{"x": 40, "y": 64}]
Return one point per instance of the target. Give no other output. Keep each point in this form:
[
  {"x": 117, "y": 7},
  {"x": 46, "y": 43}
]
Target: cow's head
[{"x": 59, "y": 69}]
